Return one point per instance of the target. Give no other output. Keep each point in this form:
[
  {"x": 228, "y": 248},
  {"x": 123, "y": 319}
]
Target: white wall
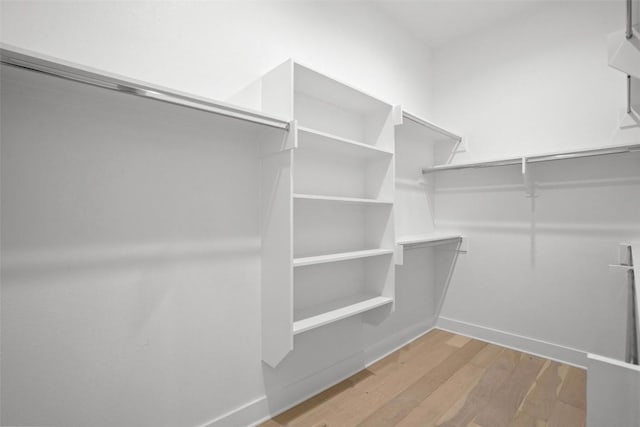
[
  {"x": 536, "y": 84},
  {"x": 130, "y": 230},
  {"x": 215, "y": 48},
  {"x": 130, "y": 258},
  {"x": 537, "y": 267}
]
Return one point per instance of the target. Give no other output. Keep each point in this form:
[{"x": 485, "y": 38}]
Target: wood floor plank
[
  {"x": 487, "y": 355},
  {"x": 434, "y": 406},
  {"x": 573, "y": 390},
  {"x": 465, "y": 410},
  {"x": 369, "y": 395},
  {"x": 442, "y": 380},
  {"x": 539, "y": 403},
  {"x": 405, "y": 402},
  {"x": 565, "y": 415},
  {"x": 313, "y": 410},
  {"x": 522, "y": 419},
  {"x": 507, "y": 399},
  {"x": 458, "y": 341}
]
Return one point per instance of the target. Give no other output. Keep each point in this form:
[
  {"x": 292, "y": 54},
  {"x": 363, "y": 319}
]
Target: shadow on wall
[
  {"x": 330, "y": 354},
  {"x": 592, "y": 196}
]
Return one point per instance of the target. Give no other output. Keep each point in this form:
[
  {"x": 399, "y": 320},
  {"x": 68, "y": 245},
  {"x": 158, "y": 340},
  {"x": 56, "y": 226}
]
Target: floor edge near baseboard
[
  {"x": 258, "y": 411},
  {"x": 558, "y": 353}
]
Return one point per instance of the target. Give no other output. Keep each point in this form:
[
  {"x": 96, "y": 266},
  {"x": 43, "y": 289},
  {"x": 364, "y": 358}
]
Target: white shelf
[
  {"x": 333, "y": 91},
  {"x": 338, "y": 146},
  {"x": 343, "y": 256},
  {"x": 431, "y": 131},
  {"x": 536, "y": 158},
  {"x": 71, "y": 71},
  {"x": 332, "y": 312},
  {"x": 341, "y": 199},
  {"x": 427, "y": 238}
]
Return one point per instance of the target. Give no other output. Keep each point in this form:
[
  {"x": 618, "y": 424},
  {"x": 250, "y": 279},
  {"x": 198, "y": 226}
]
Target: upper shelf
[
  {"x": 561, "y": 155},
  {"x": 429, "y": 130},
  {"x": 320, "y": 86},
  {"x": 22, "y": 58},
  {"x": 322, "y": 141}
]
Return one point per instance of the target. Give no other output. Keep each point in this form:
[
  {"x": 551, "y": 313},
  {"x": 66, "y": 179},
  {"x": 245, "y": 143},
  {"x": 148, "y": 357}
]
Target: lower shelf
[{"x": 337, "y": 310}]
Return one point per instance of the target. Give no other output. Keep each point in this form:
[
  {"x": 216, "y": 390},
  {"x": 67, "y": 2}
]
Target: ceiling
[{"x": 438, "y": 22}]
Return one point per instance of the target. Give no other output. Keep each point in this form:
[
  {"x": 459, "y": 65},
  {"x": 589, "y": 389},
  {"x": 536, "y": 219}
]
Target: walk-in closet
[{"x": 320, "y": 213}]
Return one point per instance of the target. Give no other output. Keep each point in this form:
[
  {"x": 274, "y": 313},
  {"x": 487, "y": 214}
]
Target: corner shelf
[
  {"x": 432, "y": 131},
  {"x": 432, "y": 239},
  {"x": 325, "y": 314},
  {"x": 342, "y": 256},
  {"x": 356, "y": 200}
]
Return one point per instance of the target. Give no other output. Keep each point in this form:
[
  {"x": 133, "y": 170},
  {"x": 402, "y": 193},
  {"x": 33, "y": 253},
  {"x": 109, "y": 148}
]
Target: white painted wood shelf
[
  {"x": 333, "y": 91},
  {"x": 537, "y": 158},
  {"x": 434, "y": 239},
  {"x": 337, "y": 204},
  {"x": 336, "y": 145},
  {"x": 337, "y": 310},
  {"x": 343, "y": 256},
  {"x": 430, "y": 130},
  {"x": 356, "y": 200}
]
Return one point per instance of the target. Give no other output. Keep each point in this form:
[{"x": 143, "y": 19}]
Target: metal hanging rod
[
  {"x": 632, "y": 352},
  {"x": 27, "y": 60},
  {"x": 629, "y": 31},
  {"x": 431, "y": 126},
  {"x": 604, "y": 151}
]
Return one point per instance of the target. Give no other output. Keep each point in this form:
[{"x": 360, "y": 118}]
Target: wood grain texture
[
  {"x": 573, "y": 391},
  {"x": 541, "y": 399},
  {"x": 434, "y": 406},
  {"x": 462, "y": 414},
  {"x": 565, "y": 415},
  {"x": 442, "y": 379},
  {"x": 400, "y": 406},
  {"x": 506, "y": 400}
]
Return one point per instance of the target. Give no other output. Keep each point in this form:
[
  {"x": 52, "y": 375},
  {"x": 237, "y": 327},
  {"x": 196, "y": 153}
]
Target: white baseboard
[
  {"x": 393, "y": 343},
  {"x": 263, "y": 408},
  {"x": 548, "y": 350}
]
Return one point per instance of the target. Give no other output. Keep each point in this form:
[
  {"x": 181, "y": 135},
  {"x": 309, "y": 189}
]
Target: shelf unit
[
  {"x": 328, "y": 210},
  {"x": 418, "y": 141},
  {"x": 426, "y": 257}
]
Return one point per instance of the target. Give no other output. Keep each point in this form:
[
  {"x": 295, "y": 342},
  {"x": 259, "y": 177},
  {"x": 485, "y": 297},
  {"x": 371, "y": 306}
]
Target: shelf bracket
[
  {"x": 398, "y": 255},
  {"x": 527, "y": 177},
  {"x": 397, "y": 115},
  {"x": 288, "y": 142}
]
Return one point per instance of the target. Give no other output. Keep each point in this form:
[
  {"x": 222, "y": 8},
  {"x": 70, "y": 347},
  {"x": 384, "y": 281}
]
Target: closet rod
[
  {"x": 34, "y": 62},
  {"x": 431, "y": 126},
  {"x": 629, "y": 32},
  {"x": 618, "y": 149}
]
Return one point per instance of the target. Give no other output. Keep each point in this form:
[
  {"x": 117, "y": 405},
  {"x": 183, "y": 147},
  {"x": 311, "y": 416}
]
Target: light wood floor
[{"x": 442, "y": 379}]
